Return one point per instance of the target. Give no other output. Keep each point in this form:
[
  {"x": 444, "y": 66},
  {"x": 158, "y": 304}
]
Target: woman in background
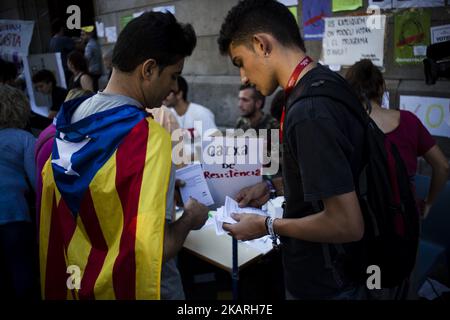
[
  {"x": 78, "y": 66},
  {"x": 18, "y": 257},
  {"x": 401, "y": 127}
]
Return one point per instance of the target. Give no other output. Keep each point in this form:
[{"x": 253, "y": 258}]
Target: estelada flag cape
[{"x": 103, "y": 204}]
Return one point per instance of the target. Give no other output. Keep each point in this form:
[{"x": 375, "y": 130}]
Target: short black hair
[
  {"x": 153, "y": 35},
  {"x": 256, "y": 94},
  {"x": 44, "y": 75},
  {"x": 183, "y": 86},
  {"x": 253, "y": 16}
]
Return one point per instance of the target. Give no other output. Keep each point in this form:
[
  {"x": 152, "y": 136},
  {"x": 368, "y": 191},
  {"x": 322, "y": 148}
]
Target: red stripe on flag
[
  {"x": 416, "y": 38},
  {"x": 130, "y": 163},
  {"x": 314, "y": 19},
  {"x": 99, "y": 247},
  {"x": 62, "y": 227}
]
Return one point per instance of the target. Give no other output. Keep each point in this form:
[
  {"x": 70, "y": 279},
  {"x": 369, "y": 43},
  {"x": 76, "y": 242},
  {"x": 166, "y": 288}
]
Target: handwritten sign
[
  {"x": 440, "y": 33},
  {"x": 230, "y": 164},
  {"x": 433, "y": 112},
  {"x": 15, "y": 36},
  {"x": 350, "y": 39}
]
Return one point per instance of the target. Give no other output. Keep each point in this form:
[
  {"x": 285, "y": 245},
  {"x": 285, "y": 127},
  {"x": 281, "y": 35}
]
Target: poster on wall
[
  {"x": 440, "y": 33},
  {"x": 382, "y": 4},
  {"x": 433, "y": 112},
  {"x": 412, "y": 36},
  {"x": 417, "y": 3},
  {"x": 100, "y": 28},
  {"x": 346, "y": 5},
  {"x": 124, "y": 20},
  {"x": 111, "y": 34},
  {"x": 352, "y": 38},
  {"x": 15, "y": 37},
  {"x": 313, "y": 13}
]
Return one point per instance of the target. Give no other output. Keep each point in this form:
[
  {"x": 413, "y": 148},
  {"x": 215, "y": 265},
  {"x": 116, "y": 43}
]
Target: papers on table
[
  {"x": 196, "y": 186},
  {"x": 224, "y": 214}
]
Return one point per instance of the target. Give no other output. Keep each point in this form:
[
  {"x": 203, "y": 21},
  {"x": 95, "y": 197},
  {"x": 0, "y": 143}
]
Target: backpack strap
[{"x": 332, "y": 86}]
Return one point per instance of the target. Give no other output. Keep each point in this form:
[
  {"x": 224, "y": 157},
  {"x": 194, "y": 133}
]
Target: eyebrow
[{"x": 237, "y": 62}]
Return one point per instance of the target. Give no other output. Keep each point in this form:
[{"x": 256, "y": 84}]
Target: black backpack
[{"x": 384, "y": 191}]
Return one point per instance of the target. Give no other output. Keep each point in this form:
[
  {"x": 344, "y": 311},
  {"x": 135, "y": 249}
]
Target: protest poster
[
  {"x": 440, "y": 33},
  {"x": 346, "y": 5},
  {"x": 352, "y": 38},
  {"x": 230, "y": 164},
  {"x": 411, "y": 36},
  {"x": 433, "y": 112},
  {"x": 15, "y": 37},
  {"x": 313, "y": 13}
]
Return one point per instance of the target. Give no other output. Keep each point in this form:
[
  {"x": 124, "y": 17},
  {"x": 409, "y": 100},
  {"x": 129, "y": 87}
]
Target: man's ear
[
  {"x": 179, "y": 95},
  {"x": 262, "y": 44},
  {"x": 148, "y": 68}
]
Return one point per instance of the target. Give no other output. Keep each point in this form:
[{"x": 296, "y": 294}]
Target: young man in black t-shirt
[{"x": 322, "y": 224}]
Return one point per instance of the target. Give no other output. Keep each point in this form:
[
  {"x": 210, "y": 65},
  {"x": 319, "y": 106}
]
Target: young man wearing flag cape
[{"x": 108, "y": 187}]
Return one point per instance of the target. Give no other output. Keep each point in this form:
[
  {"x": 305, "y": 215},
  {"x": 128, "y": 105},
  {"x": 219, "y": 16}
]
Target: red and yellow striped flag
[{"x": 116, "y": 240}]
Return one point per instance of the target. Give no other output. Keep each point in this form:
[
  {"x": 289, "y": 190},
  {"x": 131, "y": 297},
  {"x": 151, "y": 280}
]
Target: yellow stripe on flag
[
  {"x": 45, "y": 217},
  {"x": 151, "y": 213},
  {"x": 110, "y": 216}
]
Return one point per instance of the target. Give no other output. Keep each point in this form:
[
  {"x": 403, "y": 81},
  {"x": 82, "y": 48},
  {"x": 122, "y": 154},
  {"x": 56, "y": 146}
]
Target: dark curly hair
[
  {"x": 253, "y": 16},
  {"x": 44, "y": 75},
  {"x": 153, "y": 35},
  {"x": 14, "y": 108}
]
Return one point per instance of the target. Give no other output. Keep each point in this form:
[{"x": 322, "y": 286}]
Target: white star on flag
[{"x": 65, "y": 150}]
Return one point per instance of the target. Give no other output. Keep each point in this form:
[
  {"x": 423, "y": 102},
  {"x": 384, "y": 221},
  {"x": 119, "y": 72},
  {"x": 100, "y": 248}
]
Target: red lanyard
[{"x": 290, "y": 86}]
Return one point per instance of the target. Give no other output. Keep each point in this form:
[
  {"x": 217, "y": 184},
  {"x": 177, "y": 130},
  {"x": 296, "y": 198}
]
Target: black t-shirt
[
  {"x": 58, "y": 96},
  {"x": 322, "y": 154}
]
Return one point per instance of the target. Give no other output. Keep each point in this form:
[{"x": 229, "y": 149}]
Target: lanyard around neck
[{"x": 290, "y": 86}]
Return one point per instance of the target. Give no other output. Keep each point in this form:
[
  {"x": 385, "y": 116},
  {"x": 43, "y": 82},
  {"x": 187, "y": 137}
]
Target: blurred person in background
[
  {"x": 81, "y": 78},
  {"x": 401, "y": 127},
  {"x": 92, "y": 53},
  {"x": 45, "y": 82},
  {"x": 61, "y": 43},
  {"x": 18, "y": 259}
]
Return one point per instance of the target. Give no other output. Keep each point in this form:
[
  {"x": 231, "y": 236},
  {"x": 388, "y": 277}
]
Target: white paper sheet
[
  {"x": 224, "y": 214},
  {"x": 196, "y": 186}
]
